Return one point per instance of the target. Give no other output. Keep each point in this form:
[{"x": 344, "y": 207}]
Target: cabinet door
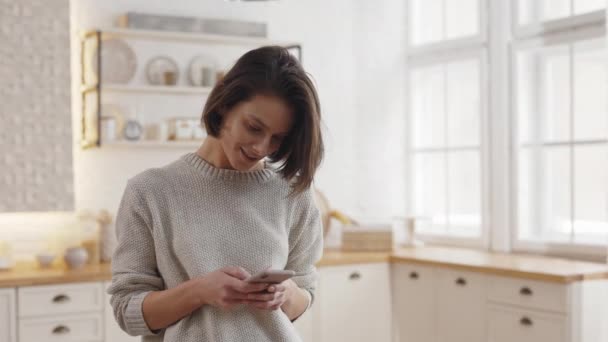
[
  {"x": 8, "y": 316},
  {"x": 354, "y": 303},
  {"x": 113, "y": 332},
  {"x": 461, "y": 303},
  {"x": 414, "y": 307},
  {"x": 508, "y": 324}
]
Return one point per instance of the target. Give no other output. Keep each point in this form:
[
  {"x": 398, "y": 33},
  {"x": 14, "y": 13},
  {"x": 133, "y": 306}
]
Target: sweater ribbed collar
[{"x": 212, "y": 172}]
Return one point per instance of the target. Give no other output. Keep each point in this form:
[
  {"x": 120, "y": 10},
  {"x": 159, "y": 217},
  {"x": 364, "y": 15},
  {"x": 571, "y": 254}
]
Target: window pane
[
  {"x": 555, "y": 108},
  {"x": 430, "y": 191},
  {"x": 590, "y": 78},
  {"x": 535, "y": 11},
  {"x": 544, "y": 94},
  {"x": 426, "y": 20},
  {"x": 586, "y": 6},
  {"x": 462, "y": 18},
  {"x": 528, "y": 96},
  {"x": 538, "y": 11},
  {"x": 464, "y": 193},
  {"x": 427, "y": 106},
  {"x": 544, "y": 194},
  {"x": 463, "y": 103},
  {"x": 433, "y": 21},
  {"x": 591, "y": 194}
]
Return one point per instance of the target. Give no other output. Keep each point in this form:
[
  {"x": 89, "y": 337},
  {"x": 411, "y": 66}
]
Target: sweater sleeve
[
  {"x": 134, "y": 268},
  {"x": 305, "y": 242}
]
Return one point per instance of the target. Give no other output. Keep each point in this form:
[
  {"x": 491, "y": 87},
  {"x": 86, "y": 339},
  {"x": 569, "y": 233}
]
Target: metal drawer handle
[
  {"x": 61, "y": 298},
  {"x": 461, "y": 281},
  {"x": 525, "y": 291},
  {"x": 526, "y": 321},
  {"x": 414, "y": 275},
  {"x": 354, "y": 276},
  {"x": 61, "y": 330}
]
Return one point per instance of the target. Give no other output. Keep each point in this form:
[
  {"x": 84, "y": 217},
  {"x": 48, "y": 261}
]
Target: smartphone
[{"x": 271, "y": 276}]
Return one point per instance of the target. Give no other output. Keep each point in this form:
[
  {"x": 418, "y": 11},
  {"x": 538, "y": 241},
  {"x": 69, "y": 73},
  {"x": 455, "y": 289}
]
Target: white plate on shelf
[
  {"x": 118, "y": 62},
  {"x": 158, "y": 66}
]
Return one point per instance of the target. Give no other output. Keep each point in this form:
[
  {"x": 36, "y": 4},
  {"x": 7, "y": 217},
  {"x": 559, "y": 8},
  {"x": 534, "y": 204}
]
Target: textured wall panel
[{"x": 35, "y": 119}]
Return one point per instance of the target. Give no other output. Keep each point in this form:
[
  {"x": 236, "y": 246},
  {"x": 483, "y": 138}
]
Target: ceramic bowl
[
  {"x": 76, "y": 257},
  {"x": 5, "y": 263},
  {"x": 45, "y": 259}
]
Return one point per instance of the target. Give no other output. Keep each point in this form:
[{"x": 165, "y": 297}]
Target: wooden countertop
[
  {"x": 511, "y": 265},
  {"x": 27, "y": 274}
]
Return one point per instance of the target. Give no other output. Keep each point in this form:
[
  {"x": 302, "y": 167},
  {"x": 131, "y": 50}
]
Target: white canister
[
  {"x": 163, "y": 131},
  {"x": 108, "y": 129}
]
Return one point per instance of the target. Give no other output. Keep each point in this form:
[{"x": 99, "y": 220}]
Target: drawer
[
  {"x": 529, "y": 293},
  {"x": 62, "y": 328},
  {"x": 59, "y": 299},
  {"x": 461, "y": 306},
  {"x": 507, "y": 324}
]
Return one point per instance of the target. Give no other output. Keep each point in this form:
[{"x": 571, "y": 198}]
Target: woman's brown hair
[{"x": 272, "y": 70}]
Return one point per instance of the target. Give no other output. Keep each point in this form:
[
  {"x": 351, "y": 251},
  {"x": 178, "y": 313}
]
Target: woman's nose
[{"x": 261, "y": 148}]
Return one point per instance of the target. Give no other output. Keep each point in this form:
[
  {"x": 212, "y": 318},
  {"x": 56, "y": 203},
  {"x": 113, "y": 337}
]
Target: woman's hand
[
  {"x": 226, "y": 287},
  {"x": 274, "y": 297}
]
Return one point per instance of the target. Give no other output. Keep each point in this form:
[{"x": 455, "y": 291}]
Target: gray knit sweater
[{"x": 189, "y": 218}]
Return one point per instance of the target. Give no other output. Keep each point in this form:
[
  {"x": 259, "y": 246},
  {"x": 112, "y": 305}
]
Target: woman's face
[{"x": 254, "y": 129}]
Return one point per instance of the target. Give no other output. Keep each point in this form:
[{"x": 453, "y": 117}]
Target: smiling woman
[
  {"x": 191, "y": 233},
  {"x": 268, "y": 93}
]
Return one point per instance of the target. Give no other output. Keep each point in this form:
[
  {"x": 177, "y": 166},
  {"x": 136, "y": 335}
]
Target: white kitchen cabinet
[
  {"x": 506, "y": 324},
  {"x": 461, "y": 304},
  {"x": 8, "y": 315},
  {"x": 354, "y": 303},
  {"x": 51, "y": 300},
  {"x": 62, "y": 328},
  {"x": 113, "y": 332},
  {"x": 414, "y": 303},
  {"x": 62, "y": 313},
  {"x": 442, "y": 304}
]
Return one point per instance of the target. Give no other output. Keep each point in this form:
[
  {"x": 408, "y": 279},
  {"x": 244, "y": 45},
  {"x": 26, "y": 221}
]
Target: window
[
  {"x": 544, "y": 108},
  {"x": 561, "y": 126},
  {"x": 447, "y": 100}
]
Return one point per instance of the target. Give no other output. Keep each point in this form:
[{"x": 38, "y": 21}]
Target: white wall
[
  {"x": 380, "y": 55},
  {"x": 325, "y": 30},
  {"x": 354, "y": 51}
]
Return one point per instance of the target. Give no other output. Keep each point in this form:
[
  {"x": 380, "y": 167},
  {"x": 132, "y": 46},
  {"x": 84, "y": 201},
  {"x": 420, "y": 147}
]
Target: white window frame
[
  {"x": 555, "y": 25},
  {"x": 444, "y": 52},
  {"x": 557, "y": 32}
]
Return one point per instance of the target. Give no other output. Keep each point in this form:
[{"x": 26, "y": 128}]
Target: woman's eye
[{"x": 254, "y": 129}]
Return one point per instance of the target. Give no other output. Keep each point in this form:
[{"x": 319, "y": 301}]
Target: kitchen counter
[
  {"x": 512, "y": 265},
  {"x": 27, "y": 274}
]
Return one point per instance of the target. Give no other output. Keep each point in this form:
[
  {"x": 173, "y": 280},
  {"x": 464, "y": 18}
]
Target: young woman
[{"x": 190, "y": 233}]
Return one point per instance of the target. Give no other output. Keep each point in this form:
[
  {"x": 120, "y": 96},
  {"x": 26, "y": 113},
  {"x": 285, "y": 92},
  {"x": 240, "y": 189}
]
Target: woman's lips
[{"x": 253, "y": 159}]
